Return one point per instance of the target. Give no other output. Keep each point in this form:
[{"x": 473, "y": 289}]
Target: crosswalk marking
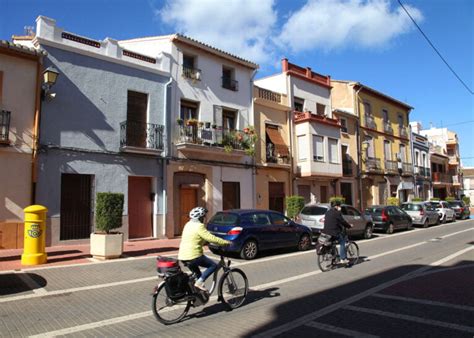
[{"x": 425, "y": 302}]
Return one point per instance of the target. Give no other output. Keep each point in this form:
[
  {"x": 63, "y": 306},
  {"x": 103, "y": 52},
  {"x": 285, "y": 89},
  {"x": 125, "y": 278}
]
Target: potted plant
[
  {"x": 106, "y": 244},
  {"x": 393, "y": 201},
  {"x": 179, "y": 121},
  {"x": 336, "y": 198}
]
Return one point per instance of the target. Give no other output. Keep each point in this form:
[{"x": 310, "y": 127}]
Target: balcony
[
  {"x": 230, "y": 84},
  {"x": 391, "y": 167},
  {"x": 347, "y": 168},
  {"x": 140, "y": 137},
  {"x": 204, "y": 139},
  {"x": 309, "y": 117},
  {"x": 370, "y": 122},
  {"x": 387, "y": 127},
  {"x": 453, "y": 159},
  {"x": 407, "y": 168},
  {"x": 441, "y": 178},
  {"x": 192, "y": 73},
  {"x": 4, "y": 126},
  {"x": 422, "y": 171},
  {"x": 403, "y": 132},
  {"x": 456, "y": 180},
  {"x": 372, "y": 165}
]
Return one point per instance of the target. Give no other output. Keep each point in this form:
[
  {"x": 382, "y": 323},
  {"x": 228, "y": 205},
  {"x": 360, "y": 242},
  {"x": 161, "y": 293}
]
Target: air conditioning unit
[{"x": 197, "y": 75}]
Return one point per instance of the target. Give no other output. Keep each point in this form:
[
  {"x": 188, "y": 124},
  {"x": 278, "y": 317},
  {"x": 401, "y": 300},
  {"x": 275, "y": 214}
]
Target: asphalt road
[{"x": 412, "y": 283}]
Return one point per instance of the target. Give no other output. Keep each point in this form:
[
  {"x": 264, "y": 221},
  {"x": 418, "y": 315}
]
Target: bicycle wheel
[
  {"x": 168, "y": 311},
  {"x": 325, "y": 261},
  {"x": 233, "y": 288},
  {"x": 352, "y": 251}
]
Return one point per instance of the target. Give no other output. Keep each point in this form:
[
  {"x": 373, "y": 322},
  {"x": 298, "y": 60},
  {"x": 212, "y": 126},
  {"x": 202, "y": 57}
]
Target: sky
[{"x": 370, "y": 41}]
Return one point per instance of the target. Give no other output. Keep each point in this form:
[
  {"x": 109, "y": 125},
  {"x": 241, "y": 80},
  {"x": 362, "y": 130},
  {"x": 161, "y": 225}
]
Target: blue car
[{"x": 252, "y": 231}]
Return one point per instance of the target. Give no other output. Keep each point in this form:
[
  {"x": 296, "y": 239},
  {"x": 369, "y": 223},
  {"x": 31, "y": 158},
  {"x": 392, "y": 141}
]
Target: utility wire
[{"x": 439, "y": 54}]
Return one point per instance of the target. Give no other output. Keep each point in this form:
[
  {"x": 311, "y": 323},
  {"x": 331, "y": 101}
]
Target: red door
[
  {"x": 140, "y": 207},
  {"x": 188, "y": 200}
]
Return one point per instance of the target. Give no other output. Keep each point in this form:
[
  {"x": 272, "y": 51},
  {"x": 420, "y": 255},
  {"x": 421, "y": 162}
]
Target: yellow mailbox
[{"x": 34, "y": 249}]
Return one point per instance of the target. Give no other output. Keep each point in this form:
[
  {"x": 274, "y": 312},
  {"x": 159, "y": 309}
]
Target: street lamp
[{"x": 50, "y": 76}]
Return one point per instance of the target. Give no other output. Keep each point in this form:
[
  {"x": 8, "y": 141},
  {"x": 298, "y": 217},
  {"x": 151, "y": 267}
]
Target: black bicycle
[
  {"x": 174, "y": 296},
  {"x": 328, "y": 253}
]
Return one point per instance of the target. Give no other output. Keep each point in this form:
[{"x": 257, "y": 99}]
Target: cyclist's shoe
[
  {"x": 200, "y": 286},
  {"x": 344, "y": 261}
]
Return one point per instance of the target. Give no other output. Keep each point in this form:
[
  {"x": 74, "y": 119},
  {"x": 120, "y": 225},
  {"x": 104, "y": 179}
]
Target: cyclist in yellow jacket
[{"x": 194, "y": 237}]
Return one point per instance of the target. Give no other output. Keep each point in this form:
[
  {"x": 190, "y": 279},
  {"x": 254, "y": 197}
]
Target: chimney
[
  {"x": 284, "y": 65},
  {"x": 309, "y": 73}
]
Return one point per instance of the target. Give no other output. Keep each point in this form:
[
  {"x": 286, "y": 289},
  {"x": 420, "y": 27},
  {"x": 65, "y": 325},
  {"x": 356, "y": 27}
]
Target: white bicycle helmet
[{"x": 197, "y": 213}]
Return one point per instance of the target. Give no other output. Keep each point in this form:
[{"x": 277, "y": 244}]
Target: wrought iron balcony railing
[
  {"x": 422, "y": 171},
  {"x": 347, "y": 167},
  {"x": 141, "y": 135},
  {"x": 407, "y": 168},
  {"x": 4, "y": 126},
  {"x": 372, "y": 164},
  {"x": 192, "y": 73},
  {"x": 387, "y": 128},
  {"x": 438, "y": 177},
  {"x": 403, "y": 131},
  {"x": 229, "y": 83},
  {"x": 370, "y": 122},
  {"x": 391, "y": 167}
]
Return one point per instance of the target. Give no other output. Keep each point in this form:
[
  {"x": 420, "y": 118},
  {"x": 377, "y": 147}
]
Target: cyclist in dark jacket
[{"x": 334, "y": 225}]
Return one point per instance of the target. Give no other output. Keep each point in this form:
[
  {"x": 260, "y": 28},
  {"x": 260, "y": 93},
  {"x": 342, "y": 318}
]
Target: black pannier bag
[
  {"x": 176, "y": 281},
  {"x": 323, "y": 244}
]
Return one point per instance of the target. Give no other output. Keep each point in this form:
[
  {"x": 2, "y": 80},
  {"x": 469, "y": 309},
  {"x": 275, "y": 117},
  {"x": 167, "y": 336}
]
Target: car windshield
[
  {"x": 455, "y": 204},
  {"x": 314, "y": 210},
  {"x": 224, "y": 218},
  {"x": 373, "y": 210},
  {"x": 436, "y": 205},
  {"x": 411, "y": 207}
]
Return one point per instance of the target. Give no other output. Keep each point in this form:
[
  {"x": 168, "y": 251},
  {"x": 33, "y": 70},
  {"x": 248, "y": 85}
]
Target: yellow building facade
[
  {"x": 384, "y": 149},
  {"x": 272, "y": 152}
]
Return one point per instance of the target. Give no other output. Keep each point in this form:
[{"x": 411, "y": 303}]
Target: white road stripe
[
  {"x": 410, "y": 318},
  {"x": 316, "y": 314},
  {"x": 339, "y": 330},
  {"x": 425, "y": 302}
]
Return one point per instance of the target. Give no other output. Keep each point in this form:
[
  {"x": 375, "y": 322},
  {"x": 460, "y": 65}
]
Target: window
[
  {"x": 387, "y": 150},
  {"x": 188, "y": 110},
  {"x": 320, "y": 109},
  {"x": 299, "y": 103},
  {"x": 369, "y": 151},
  {"x": 385, "y": 115},
  {"x": 403, "y": 156},
  {"x": 4, "y": 125},
  {"x": 228, "y": 119},
  {"x": 367, "y": 109},
  {"x": 260, "y": 219},
  {"x": 343, "y": 125},
  {"x": 228, "y": 79},
  {"x": 278, "y": 219},
  {"x": 136, "y": 127},
  {"x": 302, "y": 154},
  {"x": 424, "y": 163},
  {"x": 417, "y": 157},
  {"x": 400, "y": 121},
  {"x": 333, "y": 150},
  {"x": 189, "y": 70},
  {"x": 318, "y": 148}
]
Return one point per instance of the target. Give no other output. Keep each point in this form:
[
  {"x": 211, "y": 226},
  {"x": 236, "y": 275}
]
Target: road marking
[
  {"x": 333, "y": 307},
  {"x": 338, "y": 330},
  {"x": 276, "y": 331},
  {"x": 426, "y": 302},
  {"x": 411, "y": 318}
]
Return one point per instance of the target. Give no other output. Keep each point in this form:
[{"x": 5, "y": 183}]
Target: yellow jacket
[{"x": 194, "y": 236}]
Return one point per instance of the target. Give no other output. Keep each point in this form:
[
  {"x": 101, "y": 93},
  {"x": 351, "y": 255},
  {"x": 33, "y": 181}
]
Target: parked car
[
  {"x": 446, "y": 213},
  {"x": 312, "y": 215},
  {"x": 461, "y": 210},
  {"x": 388, "y": 218},
  {"x": 252, "y": 231},
  {"x": 421, "y": 213}
]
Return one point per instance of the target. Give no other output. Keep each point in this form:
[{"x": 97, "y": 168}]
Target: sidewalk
[{"x": 80, "y": 254}]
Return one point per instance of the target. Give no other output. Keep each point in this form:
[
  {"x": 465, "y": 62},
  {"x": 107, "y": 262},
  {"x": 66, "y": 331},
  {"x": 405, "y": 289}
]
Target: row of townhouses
[{"x": 173, "y": 123}]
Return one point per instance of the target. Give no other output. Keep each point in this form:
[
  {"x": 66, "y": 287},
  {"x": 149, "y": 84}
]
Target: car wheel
[
  {"x": 426, "y": 224},
  {"x": 438, "y": 220},
  {"x": 368, "y": 231},
  {"x": 249, "y": 250},
  {"x": 389, "y": 229},
  {"x": 304, "y": 242},
  {"x": 442, "y": 219}
]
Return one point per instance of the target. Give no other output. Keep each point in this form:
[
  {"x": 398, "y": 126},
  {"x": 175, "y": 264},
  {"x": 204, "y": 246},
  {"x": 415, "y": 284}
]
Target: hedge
[
  {"x": 294, "y": 204},
  {"x": 109, "y": 211}
]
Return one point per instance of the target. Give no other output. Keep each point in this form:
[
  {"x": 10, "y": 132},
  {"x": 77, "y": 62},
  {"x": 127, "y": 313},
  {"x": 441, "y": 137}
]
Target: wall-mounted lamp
[{"x": 50, "y": 75}]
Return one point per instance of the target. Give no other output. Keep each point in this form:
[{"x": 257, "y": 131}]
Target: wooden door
[
  {"x": 276, "y": 198},
  {"x": 324, "y": 194},
  {"x": 230, "y": 195},
  {"x": 187, "y": 201},
  {"x": 140, "y": 207},
  {"x": 76, "y": 192}
]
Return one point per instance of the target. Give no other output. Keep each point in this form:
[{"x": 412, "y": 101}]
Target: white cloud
[
  {"x": 241, "y": 27},
  {"x": 332, "y": 24}
]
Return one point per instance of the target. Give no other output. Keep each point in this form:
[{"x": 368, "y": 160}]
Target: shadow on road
[{"x": 11, "y": 283}]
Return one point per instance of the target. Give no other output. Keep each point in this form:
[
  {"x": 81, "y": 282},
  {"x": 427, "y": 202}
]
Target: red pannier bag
[{"x": 167, "y": 266}]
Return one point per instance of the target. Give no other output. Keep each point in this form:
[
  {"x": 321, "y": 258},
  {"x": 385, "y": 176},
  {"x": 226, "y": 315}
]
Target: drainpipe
[
  {"x": 36, "y": 132},
  {"x": 412, "y": 157},
  {"x": 291, "y": 124},
  {"x": 167, "y": 145},
  {"x": 359, "y": 155},
  {"x": 252, "y": 122}
]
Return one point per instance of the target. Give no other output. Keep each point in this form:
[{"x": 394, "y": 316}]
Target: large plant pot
[{"x": 106, "y": 246}]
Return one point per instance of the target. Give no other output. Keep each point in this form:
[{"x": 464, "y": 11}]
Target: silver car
[
  {"x": 422, "y": 213},
  {"x": 312, "y": 215},
  {"x": 446, "y": 213}
]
